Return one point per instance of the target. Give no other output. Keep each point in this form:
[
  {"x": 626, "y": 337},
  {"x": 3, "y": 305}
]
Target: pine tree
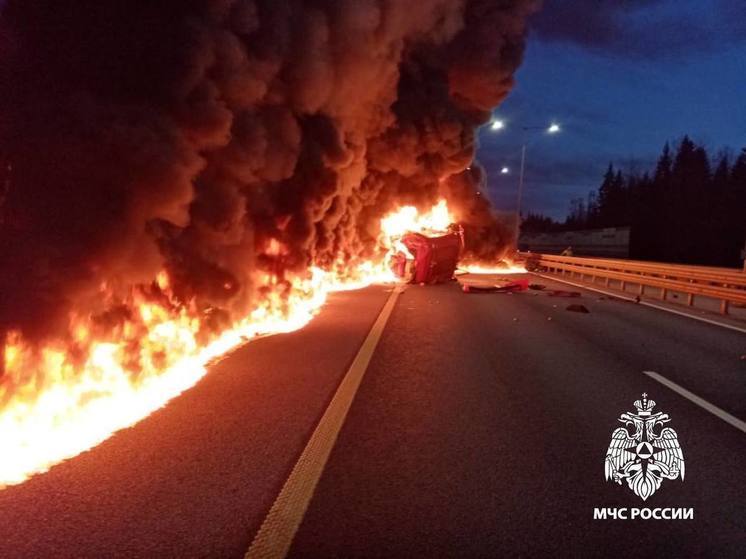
[
  {"x": 683, "y": 212},
  {"x": 663, "y": 168},
  {"x": 592, "y": 210},
  {"x": 643, "y": 218},
  {"x": 577, "y": 216},
  {"x": 619, "y": 201},
  {"x": 606, "y": 197},
  {"x": 721, "y": 175},
  {"x": 676, "y": 199},
  {"x": 735, "y": 215}
]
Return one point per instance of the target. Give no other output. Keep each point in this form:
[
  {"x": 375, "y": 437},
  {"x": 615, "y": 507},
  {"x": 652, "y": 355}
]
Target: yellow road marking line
[{"x": 283, "y": 520}]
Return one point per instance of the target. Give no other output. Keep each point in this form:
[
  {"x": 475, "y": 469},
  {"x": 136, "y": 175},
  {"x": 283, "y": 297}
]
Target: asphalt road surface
[{"x": 479, "y": 430}]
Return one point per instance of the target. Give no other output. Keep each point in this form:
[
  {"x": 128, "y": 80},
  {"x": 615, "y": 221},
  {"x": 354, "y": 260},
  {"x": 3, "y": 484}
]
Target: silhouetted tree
[
  {"x": 538, "y": 223},
  {"x": 592, "y": 211},
  {"x": 606, "y": 194},
  {"x": 682, "y": 212},
  {"x": 734, "y": 215},
  {"x": 577, "y": 218}
]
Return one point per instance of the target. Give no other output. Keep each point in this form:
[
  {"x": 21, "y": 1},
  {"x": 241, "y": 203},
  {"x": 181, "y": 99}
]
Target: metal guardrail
[{"x": 728, "y": 285}]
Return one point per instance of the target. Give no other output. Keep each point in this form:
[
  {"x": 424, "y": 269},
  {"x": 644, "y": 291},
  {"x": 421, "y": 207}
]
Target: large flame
[
  {"x": 408, "y": 218},
  {"x": 66, "y": 397}
]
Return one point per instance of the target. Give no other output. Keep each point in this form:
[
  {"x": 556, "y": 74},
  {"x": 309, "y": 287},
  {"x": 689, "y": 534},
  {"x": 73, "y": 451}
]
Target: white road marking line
[
  {"x": 278, "y": 530},
  {"x": 713, "y": 409},
  {"x": 647, "y": 304}
]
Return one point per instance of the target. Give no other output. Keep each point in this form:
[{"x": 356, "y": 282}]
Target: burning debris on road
[{"x": 185, "y": 175}]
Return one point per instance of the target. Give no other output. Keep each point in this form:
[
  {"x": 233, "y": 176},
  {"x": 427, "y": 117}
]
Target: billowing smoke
[{"x": 214, "y": 138}]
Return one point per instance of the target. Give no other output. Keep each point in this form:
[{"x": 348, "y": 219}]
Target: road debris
[
  {"x": 494, "y": 286},
  {"x": 563, "y": 293},
  {"x": 616, "y": 299},
  {"x": 537, "y": 286},
  {"x": 577, "y": 308}
]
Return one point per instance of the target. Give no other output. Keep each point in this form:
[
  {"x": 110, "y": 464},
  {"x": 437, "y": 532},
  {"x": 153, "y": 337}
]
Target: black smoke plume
[{"x": 197, "y": 136}]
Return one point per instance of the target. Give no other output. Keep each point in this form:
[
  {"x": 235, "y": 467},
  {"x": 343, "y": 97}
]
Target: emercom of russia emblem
[{"x": 643, "y": 452}]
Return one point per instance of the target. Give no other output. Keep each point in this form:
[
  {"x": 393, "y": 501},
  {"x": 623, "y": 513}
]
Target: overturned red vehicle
[{"x": 429, "y": 259}]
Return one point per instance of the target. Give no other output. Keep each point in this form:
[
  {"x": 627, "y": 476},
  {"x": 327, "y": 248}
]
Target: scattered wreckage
[{"x": 433, "y": 257}]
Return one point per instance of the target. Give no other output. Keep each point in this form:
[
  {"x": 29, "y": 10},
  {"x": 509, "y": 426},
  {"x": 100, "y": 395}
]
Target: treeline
[{"x": 689, "y": 209}]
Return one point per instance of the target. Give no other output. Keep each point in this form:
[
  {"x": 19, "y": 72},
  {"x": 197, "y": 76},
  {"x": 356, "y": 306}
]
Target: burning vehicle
[{"x": 428, "y": 258}]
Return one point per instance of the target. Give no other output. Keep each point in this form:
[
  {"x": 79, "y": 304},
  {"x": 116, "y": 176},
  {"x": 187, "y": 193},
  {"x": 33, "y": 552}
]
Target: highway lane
[
  {"x": 482, "y": 424},
  {"x": 195, "y": 478},
  {"x": 479, "y": 429}
]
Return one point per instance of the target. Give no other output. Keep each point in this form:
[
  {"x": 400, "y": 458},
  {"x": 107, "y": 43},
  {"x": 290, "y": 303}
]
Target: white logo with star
[{"x": 644, "y": 453}]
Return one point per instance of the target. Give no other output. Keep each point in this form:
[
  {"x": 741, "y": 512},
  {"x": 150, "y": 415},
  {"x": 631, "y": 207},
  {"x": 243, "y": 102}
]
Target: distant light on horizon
[
  {"x": 553, "y": 128},
  {"x": 504, "y": 170},
  {"x": 498, "y": 125}
]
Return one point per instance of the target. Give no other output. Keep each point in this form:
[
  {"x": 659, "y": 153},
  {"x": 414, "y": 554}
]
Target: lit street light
[{"x": 553, "y": 128}]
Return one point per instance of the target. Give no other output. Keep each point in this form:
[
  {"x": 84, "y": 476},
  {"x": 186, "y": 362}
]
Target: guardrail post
[
  {"x": 641, "y": 289},
  {"x": 624, "y": 285},
  {"x": 724, "y": 304},
  {"x": 690, "y": 300},
  {"x": 606, "y": 281},
  {"x": 664, "y": 294}
]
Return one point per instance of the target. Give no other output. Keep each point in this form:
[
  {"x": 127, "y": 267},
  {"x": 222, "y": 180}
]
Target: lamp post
[
  {"x": 520, "y": 195},
  {"x": 553, "y": 128}
]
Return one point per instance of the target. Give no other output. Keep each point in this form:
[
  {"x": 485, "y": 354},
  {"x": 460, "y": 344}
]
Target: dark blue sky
[{"x": 622, "y": 78}]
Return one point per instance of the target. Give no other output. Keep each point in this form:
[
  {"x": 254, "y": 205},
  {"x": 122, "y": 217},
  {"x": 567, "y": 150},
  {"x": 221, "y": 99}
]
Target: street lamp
[
  {"x": 553, "y": 128},
  {"x": 504, "y": 171},
  {"x": 498, "y": 125}
]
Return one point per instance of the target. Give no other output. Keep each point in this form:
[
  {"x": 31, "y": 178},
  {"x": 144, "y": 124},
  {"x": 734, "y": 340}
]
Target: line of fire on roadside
[{"x": 422, "y": 259}]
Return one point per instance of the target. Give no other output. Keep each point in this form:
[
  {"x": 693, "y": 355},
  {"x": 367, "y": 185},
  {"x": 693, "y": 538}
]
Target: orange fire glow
[
  {"x": 408, "y": 218},
  {"x": 56, "y": 406},
  {"x": 503, "y": 268},
  {"x": 62, "y": 399}
]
